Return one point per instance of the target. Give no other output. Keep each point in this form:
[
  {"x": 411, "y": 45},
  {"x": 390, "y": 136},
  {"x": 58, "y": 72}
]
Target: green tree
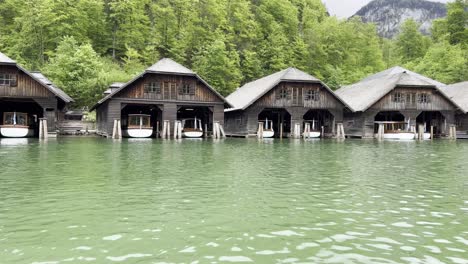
[
  {"x": 75, "y": 68},
  {"x": 457, "y": 22},
  {"x": 444, "y": 62},
  {"x": 411, "y": 44},
  {"x": 219, "y": 66}
]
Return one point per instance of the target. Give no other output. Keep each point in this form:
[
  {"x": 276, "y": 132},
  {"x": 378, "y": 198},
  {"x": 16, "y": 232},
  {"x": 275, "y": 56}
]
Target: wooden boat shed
[
  {"x": 31, "y": 93},
  {"x": 459, "y": 93},
  {"x": 167, "y": 91},
  {"x": 288, "y": 97},
  {"x": 397, "y": 95}
]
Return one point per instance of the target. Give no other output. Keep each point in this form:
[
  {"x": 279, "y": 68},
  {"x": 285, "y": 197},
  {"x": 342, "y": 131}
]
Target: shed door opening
[
  {"x": 319, "y": 118},
  {"x": 129, "y": 119},
  {"x": 431, "y": 118},
  {"x": 21, "y": 112},
  {"x": 390, "y": 116},
  {"x": 280, "y": 117},
  {"x": 189, "y": 113}
]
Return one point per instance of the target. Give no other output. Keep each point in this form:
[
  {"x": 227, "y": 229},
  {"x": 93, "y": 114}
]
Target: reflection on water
[
  {"x": 13, "y": 141},
  {"x": 287, "y": 201}
]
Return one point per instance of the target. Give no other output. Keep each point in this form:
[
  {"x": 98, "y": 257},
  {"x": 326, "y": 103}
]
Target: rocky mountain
[{"x": 390, "y": 14}]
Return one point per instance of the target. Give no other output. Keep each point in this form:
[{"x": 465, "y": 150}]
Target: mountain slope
[{"x": 390, "y": 14}]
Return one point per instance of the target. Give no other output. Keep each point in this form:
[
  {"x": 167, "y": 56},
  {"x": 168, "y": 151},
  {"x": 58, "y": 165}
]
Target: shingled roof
[
  {"x": 39, "y": 77},
  {"x": 248, "y": 94},
  {"x": 4, "y": 59},
  {"x": 54, "y": 89},
  {"x": 362, "y": 95},
  {"x": 163, "y": 66},
  {"x": 458, "y": 92}
]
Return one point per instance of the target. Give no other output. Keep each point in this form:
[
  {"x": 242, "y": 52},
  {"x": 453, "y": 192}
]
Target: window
[
  {"x": 185, "y": 89},
  {"x": 398, "y": 98},
  {"x": 312, "y": 95},
  {"x": 153, "y": 87},
  {"x": 137, "y": 121},
  {"x": 11, "y": 118},
  {"x": 424, "y": 98},
  {"x": 7, "y": 79},
  {"x": 283, "y": 94}
]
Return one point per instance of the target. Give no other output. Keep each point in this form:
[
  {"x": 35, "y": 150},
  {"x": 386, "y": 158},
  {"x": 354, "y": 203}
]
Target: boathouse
[
  {"x": 459, "y": 93},
  {"x": 400, "y": 99},
  {"x": 283, "y": 102},
  {"x": 26, "y": 97},
  {"x": 164, "y": 93}
]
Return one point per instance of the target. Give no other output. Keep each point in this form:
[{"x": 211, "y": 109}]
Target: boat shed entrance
[
  {"x": 291, "y": 97},
  {"x": 167, "y": 91}
]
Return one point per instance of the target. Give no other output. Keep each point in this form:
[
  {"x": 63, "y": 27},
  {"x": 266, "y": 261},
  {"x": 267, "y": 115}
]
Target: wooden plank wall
[
  {"x": 437, "y": 101},
  {"x": 246, "y": 122},
  {"x": 169, "y": 92},
  {"x": 462, "y": 122},
  {"x": 297, "y": 93},
  {"x": 26, "y": 86}
]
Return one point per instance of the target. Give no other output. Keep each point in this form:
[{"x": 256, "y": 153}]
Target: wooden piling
[
  {"x": 215, "y": 130},
  {"x": 177, "y": 129},
  {"x": 260, "y": 130},
  {"x": 322, "y": 134},
  {"x": 297, "y": 130},
  {"x": 306, "y": 133},
  {"x": 421, "y": 132},
  {"x": 117, "y": 130},
  {"x": 205, "y": 134},
  {"x": 381, "y": 132},
  {"x": 41, "y": 129},
  {"x": 221, "y": 129},
  {"x": 157, "y": 130},
  {"x": 340, "y": 131},
  {"x": 281, "y": 130},
  {"x": 432, "y": 132}
]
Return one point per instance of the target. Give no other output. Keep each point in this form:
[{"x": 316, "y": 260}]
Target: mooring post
[
  {"x": 221, "y": 129},
  {"x": 215, "y": 130},
  {"x": 306, "y": 133},
  {"x": 297, "y": 130},
  {"x": 163, "y": 134},
  {"x": 176, "y": 129},
  {"x": 340, "y": 134},
  {"x": 117, "y": 131},
  {"x": 260, "y": 130},
  {"x": 421, "y": 132},
  {"x": 157, "y": 129},
  {"x": 41, "y": 130},
  {"x": 452, "y": 132},
  {"x": 432, "y": 132},
  {"x": 281, "y": 130},
  {"x": 322, "y": 134},
  {"x": 168, "y": 127}
]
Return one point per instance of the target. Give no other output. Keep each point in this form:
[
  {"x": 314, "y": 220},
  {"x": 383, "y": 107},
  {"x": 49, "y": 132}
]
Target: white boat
[
  {"x": 427, "y": 136},
  {"x": 139, "y": 126},
  {"x": 192, "y": 128},
  {"x": 15, "y": 125},
  {"x": 268, "y": 131},
  {"x": 395, "y": 130},
  {"x": 399, "y": 136},
  {"x": 313, "y": 133}
]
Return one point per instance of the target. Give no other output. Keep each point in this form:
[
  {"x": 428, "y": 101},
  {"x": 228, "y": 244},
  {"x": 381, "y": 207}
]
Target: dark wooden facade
[
  {"x": 31, "y": 96},
  {"x": 166, "y": 93},
  {"x": 295, "y": 99},
  {"x": 412, "y": 103}
]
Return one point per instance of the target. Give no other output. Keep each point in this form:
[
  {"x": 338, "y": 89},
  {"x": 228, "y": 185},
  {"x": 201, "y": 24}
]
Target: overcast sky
[{"x": 347, "y": 8}]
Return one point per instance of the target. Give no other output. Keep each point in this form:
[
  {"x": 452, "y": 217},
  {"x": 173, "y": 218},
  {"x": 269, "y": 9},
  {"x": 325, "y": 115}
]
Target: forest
[{"x": 85, "y": 45}]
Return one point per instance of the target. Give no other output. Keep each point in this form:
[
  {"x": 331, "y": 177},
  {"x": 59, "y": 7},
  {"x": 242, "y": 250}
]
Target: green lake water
[{"x": 94, "y": 200}]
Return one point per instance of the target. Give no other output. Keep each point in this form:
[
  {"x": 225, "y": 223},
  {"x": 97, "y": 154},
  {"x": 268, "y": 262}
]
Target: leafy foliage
[{"x": 85, "y": 45}]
